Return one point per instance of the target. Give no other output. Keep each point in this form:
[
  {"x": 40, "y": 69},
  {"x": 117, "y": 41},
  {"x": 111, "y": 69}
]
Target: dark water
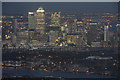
[{"x": 39, "y": 74}]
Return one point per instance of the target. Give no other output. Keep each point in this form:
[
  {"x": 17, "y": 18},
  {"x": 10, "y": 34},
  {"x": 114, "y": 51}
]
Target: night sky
[{"x": 21, "y": 8}]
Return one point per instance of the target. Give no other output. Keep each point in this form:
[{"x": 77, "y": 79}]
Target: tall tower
[
  {"x": 31, "y": 25},
  {"x": 31, "y": 20},
  {"x": 81, "y": 31},
  {"x": 55, "y": 19},
  {"x": 40, "y": 20},
  {"x": 80, "y": 27},
  {"x": 106, "y": 33},
  {"x": 36, "y": 21}
]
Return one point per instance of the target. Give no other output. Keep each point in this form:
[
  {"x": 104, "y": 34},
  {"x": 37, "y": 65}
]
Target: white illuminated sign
[
  {"x": 40, "y": 10},
  {"x": 30, "y": 13}
]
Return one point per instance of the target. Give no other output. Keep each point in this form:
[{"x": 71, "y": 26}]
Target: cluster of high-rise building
[
  {"x": 55, "y": 29},
  {"x": 71, "y": 32}
]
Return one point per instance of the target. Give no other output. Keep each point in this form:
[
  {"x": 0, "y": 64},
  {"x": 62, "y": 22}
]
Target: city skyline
[
  {"x": 76, "y": 40},
  {"x": 54, "y": 29}
]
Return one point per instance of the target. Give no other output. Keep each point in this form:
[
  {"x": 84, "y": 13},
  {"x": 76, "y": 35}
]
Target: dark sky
[{"x": 20, "y": 8}]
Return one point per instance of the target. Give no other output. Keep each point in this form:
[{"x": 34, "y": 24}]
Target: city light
[
  {"x": 30, "y": 13},
  {"x": 60, "y": 42}
]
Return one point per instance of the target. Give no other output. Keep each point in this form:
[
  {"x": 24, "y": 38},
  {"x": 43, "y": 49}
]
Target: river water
[{"x": 38, "y": 74}]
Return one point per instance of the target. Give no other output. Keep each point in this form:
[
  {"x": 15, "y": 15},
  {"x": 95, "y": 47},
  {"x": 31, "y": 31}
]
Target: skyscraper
[
  {"x": 106, "y": 33},
  {"x": 31, "y": 20},
  {"x": 36, "y": 22},
  {"x": 31, "y": 25},
  {"x": 92, "y": 34},
  {"x": 80, "y": 30},
  {"x": 40, "y": 20},
  {"x": 80, "y": 27},
  {"x": 55, "y": 19}
]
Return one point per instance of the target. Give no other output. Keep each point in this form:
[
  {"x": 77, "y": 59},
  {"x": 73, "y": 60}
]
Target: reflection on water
[{"x": 36, "y": 73}]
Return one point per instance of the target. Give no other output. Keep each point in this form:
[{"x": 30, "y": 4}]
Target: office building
[
  {"x": 31, "y": 20},
  {"x": 55, "y": 19}
]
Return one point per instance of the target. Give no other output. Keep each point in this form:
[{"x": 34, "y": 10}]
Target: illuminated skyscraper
[
  {"x": 31, "y": 20},
  {"x": 80, "y": 30},
  {"x": 36, "y": 22},
  {"x": 80, "y": 27},
  {"x": 106, "y": 33},
  {"x": 31, "y": 25},
  {"x": 76, "y": 32},
  {"x": 55, "y": 19},
  {"x": 63, "y": 32},
  {"x": 40, "y": 20}
]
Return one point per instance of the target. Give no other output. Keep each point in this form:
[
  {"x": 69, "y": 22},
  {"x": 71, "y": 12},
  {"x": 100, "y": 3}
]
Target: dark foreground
[{"x": 22, "y": 63}]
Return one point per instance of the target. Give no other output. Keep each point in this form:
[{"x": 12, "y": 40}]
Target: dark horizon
[{"x": 21, "y": 8}]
